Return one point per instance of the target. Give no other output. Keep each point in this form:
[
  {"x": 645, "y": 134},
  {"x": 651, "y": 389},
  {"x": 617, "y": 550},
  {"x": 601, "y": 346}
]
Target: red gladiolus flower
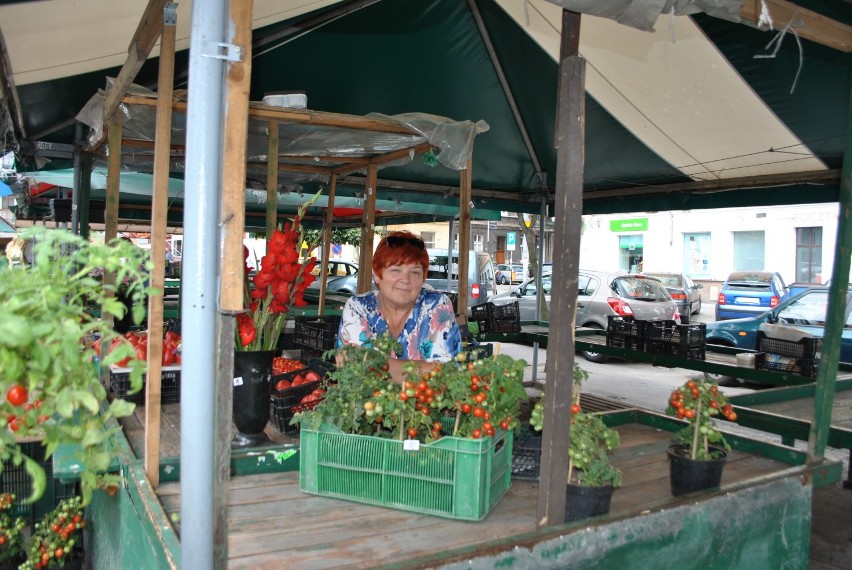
[{"x": 279, "y": 283}]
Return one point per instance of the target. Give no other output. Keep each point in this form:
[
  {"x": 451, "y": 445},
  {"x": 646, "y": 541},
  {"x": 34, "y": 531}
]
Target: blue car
[
  {"x": 806, "y": 311},
  {"x": 749, "y": 293}
]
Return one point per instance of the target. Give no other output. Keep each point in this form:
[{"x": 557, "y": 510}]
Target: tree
[
  {"x": 350, "y": 236},
  {"x": 530, "y": 235}
]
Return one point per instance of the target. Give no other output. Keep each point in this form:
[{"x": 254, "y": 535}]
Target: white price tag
[
  {"x": 238, "y": 381},
  {"x": 411, "y": 445}
]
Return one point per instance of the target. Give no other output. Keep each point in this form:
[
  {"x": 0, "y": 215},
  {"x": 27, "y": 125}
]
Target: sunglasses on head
[{"x": 399, "y": 241}]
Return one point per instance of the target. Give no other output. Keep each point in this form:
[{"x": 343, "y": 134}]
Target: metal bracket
[
  {"x": 170, "y": 14},
  {"x": 222, "y": 50}
]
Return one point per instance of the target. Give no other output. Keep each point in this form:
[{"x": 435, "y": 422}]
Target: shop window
[
  {"x": 749, "y": 251},
  {"x": 630, "y": 252},
  {"x": 696, "y": 255},
  {"x": 809, "y": 255}
]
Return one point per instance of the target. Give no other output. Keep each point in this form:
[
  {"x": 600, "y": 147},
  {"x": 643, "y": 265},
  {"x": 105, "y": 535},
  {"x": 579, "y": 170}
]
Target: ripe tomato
[
  {"x": 17, "y": 395},
  {"x": 466, "y": 408},
  {"x": 312, "y": 376},
  {"x": 283, "y": 385},
  {"x": 575, "y": 408},
  {"x": 412, "y": 432}
]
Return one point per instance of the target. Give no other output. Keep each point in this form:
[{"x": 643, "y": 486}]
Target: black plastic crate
[
  {"x": 477, "y": 351},
  {"x": 16, "y": 480},
  {"x": 119, "y": 384},
  {"x": 658, "y": 346},
  {"x": 285, "y": 403},
  {"x": 316, "y": 334},
  {"x": 780, "y": 363},
  {"x": 526, "y": 454},
  {"x": 624, "y": 326},
  {"x": 801, "y": 358},
  {"x": 630, "y": 342},
  {"x": 493, "y": 318},
  {"x": 688, "y": 336}
]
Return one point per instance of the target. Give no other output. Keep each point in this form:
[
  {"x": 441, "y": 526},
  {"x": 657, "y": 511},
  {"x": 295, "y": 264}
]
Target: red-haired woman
[{"x": 421, "y": 320}]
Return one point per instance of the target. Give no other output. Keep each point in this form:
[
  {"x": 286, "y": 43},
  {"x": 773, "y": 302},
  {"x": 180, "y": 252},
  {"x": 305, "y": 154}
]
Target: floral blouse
[{"x": 430, "y": 333}]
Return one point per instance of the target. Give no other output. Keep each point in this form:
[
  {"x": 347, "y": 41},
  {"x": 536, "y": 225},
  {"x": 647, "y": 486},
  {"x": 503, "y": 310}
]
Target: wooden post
[
  {"x": 272, "y": 180},
  {"x": 111, "y": 211},
  {"x": 368, "y": 220},
  {"x": 570, "y": 131},
  {"x": 232, "y": 264},
  {"x": 465, "y": 194},
  {"x": 159, "y": 214},
  {"x": 326, "y": 244}
]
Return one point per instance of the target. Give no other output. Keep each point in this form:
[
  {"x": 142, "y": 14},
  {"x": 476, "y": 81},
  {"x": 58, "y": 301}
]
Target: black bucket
[
  {"x": 252, "y": 377},
  {"x": 688, "y": 475},
  {"x": 582, "y": 501}
]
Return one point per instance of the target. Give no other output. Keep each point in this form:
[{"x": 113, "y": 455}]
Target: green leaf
[
  {"x": 121, "y": 408},
  {"x": 39, "y": 480},
  {"x": 87, "y": 400}
]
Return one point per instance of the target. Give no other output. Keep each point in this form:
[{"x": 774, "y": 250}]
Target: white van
[{"x": 480, "y": 277}]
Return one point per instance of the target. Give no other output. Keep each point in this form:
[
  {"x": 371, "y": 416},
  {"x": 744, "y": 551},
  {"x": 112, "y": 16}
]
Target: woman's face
[{"x": 401, "y": 284}]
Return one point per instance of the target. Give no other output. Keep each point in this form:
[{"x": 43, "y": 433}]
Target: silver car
[
  {"x": 342, "y": 277},
  {"x": 601, "y": 294}
]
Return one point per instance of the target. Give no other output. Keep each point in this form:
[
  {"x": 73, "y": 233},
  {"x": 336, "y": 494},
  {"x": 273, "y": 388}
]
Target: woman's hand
[{"x": 395, "y": 367}]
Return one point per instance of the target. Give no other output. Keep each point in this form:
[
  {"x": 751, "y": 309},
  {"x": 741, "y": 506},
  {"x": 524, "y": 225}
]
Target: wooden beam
[
  {"x": 368, "y": 222},
  {"x": 234, "y": 171},
  {"x": 570, "y": 133},
  {"x": 814, "y": 26},
  {"x": 159, "y": 212},
  {"x": 272, "y": 180},
  {"x": 140, "y": 48},
  {"x": 302, "y": 116},
  {"x": 326, "y": 243}
]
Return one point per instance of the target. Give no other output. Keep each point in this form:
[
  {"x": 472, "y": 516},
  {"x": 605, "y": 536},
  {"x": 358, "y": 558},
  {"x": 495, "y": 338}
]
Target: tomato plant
[
  {"x": 697, "y": 402},
  {"x": 589, "y": 441},
  {"x": 11, "y": 530},
  {"x": 472, "y": 399},
  {"x": 17, "y": 395},
  {"x": 58, "y": 537}
]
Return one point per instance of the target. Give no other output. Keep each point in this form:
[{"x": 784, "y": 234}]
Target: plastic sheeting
[
  {"x": 299, "y": 143},
  {"x": 642, "y": 14}
]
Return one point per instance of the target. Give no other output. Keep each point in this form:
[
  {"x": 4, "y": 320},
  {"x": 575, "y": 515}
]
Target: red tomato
[
  {"x": 17, "y": 395},
  {"x": 283, "y": 385},
  {"x": 312, "y": 376},
  {"x": 168, "y": 357},
  {"x": 298, "y": 380}
]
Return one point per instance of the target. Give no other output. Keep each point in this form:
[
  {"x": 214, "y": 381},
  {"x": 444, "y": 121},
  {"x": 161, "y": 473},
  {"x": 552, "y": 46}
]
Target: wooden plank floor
[{"x": 273, "y": 525}]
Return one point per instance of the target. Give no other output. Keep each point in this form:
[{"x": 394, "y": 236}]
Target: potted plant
[
  {"x": 11, "y": 536},
  {"x": 280, "y": 282},
  {"x": 50, "y": 386},
  {"x": 57, "y": 541},
  {"x": 592, "y": 478},
  {"x": 698, "y": 455}
]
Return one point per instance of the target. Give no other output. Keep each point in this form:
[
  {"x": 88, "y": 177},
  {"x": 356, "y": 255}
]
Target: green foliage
[
  {"x": 46, "y": 328},
  {"x": 589, "y": 442},
  {"x": 11, "y": 536},
  {"x": 697, "y": 402},
  {"x": 348, "y": 236}
]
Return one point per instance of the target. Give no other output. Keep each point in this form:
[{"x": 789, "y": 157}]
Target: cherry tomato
[{"x": 17, "y": 395}]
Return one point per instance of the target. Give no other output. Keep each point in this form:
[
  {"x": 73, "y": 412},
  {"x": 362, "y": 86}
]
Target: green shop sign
[{"x": 633, "y": 225}]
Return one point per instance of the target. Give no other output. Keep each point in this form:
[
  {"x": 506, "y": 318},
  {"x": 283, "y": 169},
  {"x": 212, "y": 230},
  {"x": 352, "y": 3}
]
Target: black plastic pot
[
  {"x": 689, "y": 475},
  {"x": 582, "y": 501},
  {"x": 252, "y": 378}
]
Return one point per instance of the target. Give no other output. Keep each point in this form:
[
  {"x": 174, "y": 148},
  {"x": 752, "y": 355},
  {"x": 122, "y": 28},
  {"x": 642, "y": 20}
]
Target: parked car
[
  {"x": 806, "y": 311},
  {"x": 342, "y": 277},
  {"x": 684, "y": 291},
  {"x": 506, "y": 274},
  {"x": 749, "y": 293},
  {"x": 546, "y": 269},
  {"x": 443, "y": 275},
  {"x": 601, "y": 294}
]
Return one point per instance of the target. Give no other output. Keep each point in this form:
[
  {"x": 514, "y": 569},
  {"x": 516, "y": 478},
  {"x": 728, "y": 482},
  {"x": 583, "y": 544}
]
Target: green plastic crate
[{"x": 457, "y": 478}]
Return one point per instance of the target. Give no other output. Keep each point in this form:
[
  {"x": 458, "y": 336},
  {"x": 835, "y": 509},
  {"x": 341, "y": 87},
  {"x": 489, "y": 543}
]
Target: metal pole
[
  {"x": 538, "y": 284},
  {"x": 75, "y": 191},
  {"x": 200, "y": 270}
]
